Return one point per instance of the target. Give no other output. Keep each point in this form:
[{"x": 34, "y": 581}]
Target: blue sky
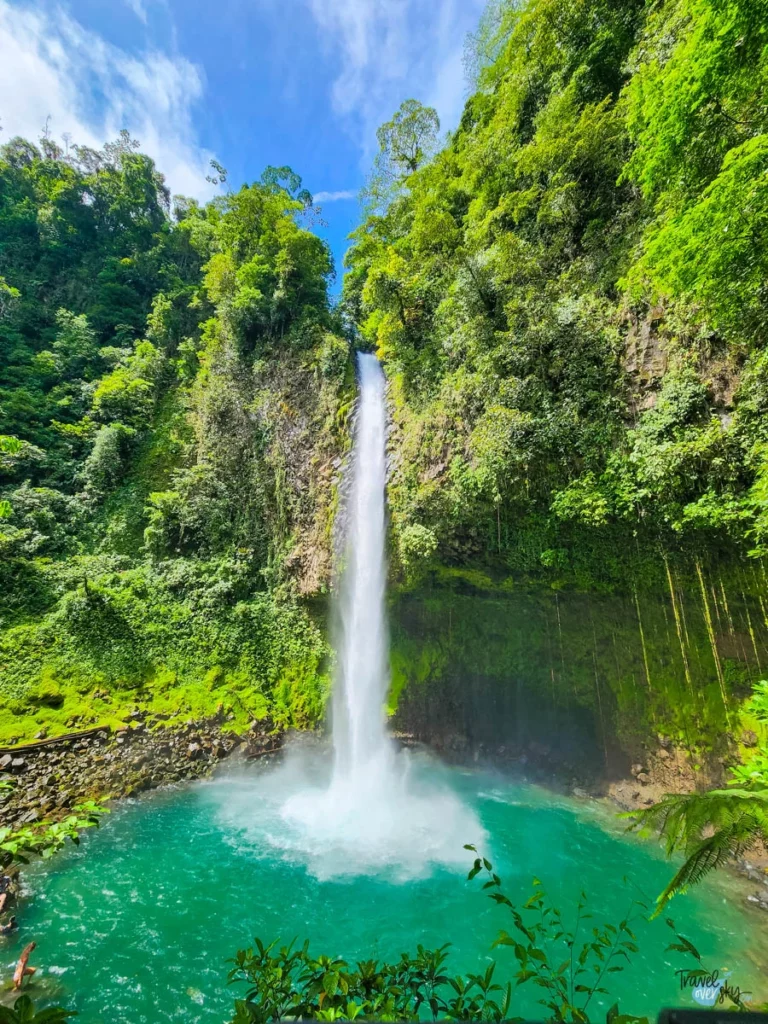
[{"x": 251, "y": 82}]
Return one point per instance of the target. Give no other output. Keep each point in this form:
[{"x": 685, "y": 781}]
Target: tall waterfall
[
  {"x": 372, "y": 810},
  {"x": 362, "y": 750}
]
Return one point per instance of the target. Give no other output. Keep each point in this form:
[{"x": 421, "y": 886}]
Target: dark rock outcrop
[{"x": 50, "y": 777}]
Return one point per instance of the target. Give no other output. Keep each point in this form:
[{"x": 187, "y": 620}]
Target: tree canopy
[{"x": 570, "y": 294}]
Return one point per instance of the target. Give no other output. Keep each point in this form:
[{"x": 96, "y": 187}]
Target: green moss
[
  {"x": 413, "y": 664},
  {"x": 182, "y": 649},
  {"x": 472, "y": 577},
  {"x": 617, "y": 657}
]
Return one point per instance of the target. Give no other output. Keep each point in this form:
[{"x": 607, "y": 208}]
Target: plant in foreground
[
  {"x": 571, "y": 967},
  {"x": 43, "y": 840},
  {"x": 23, "y": 1012},
  {"x": 570, "y": 970},
  {"x": 709, "y": 829},
  {"x": 18, "y": 846}
]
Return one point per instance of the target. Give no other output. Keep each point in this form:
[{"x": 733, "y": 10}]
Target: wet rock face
[{"x": 49, "y": 778}]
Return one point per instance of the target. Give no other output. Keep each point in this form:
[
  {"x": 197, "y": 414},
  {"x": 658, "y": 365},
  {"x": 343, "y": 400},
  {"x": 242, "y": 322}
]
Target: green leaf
[{"x": 476, "y": 869}]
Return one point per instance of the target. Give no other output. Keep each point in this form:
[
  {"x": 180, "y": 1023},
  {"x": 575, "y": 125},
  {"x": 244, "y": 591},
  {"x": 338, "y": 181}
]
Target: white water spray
[{"x": 381, "y": 811}]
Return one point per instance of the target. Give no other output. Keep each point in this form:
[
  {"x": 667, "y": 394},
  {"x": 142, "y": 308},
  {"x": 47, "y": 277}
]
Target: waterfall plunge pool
[{"x": 135, "y": 924}]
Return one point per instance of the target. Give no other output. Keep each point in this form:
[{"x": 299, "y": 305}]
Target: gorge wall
[{"x": 577, "y": 682}]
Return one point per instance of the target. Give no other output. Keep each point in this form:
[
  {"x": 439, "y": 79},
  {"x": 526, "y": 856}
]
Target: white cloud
[
  {"x": 391, "y": 50},
  {"x": 51, "y": 66},
  {"x": 139, "y": 9},
  {"x": 334, "y": 197}
]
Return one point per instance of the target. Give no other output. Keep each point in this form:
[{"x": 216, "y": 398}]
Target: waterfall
[
  {"x": 373, "y": 809},
  {"x": 362, "y": 750}
]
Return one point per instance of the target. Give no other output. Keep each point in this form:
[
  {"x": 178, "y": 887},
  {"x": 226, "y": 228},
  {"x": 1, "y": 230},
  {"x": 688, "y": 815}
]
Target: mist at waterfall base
[
  {"x": 367, "y": 807},
  {"x": 137, "y": 922},
  {"x": 398, "y": 827}
]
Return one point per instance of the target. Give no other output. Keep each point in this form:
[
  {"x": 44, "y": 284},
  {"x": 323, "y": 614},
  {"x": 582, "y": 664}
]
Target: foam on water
[
  {"x": 335, "y": 828},
  {"x": 199, "y": 871}
]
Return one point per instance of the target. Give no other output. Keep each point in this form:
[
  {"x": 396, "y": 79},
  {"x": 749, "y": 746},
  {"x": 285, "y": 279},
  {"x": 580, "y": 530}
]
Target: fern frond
[
  {"x": 707, "y": 828},
  {"x": 711, "y": 853}
]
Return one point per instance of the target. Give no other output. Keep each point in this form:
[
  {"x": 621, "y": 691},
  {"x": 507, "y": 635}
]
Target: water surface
[{"x": 136, "y": 924}]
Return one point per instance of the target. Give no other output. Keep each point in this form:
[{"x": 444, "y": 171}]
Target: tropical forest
[{"x": 384, "y": 631}]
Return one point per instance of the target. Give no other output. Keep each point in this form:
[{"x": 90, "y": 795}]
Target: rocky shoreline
[
  {"x": 47, "y": 779},
  {"x": 50, "y": 777}
]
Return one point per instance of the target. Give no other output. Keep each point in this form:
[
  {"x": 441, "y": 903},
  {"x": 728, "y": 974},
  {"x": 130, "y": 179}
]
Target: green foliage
[
  {"x": 174, "y": 388},
  {"x": 569, "y": 296},
  {"x": 48, "y": 837},
  {"x": 752, "y": 775},
  {"x": 567, "y": 989},
  {"x": 712, "y": 253},
  {"x": 127, "y": 393},
  {"x": 712, "y": 828},
  {"x": 569, "y": 967},
  {"x": 709, "y": 829},
  {"x": 288, "y": 982},
  {"x": 417, "y": 545},
  {"x": 107, "y": 461},
  {"x": 696, "y": 112},
  {"x": 405, "y": 143},
  {"x": 758, "y": 703},
  {"x": 184, "y": 638},
  {"x": 483, "y": 47},
  {"x": 23, "y": 1012}
]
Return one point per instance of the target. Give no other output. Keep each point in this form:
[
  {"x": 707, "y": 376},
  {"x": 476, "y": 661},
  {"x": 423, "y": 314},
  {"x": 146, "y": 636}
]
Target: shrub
[{"x": 105, "y": 466}]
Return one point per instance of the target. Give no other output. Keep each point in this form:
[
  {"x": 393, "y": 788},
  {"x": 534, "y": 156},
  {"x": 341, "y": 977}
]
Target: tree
[
  {"x": 76, "y": 348},
  {"x": 484, "y": 46},
  {"x": 405, "y": 143},
  {"x": 276, "y": 178}
]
